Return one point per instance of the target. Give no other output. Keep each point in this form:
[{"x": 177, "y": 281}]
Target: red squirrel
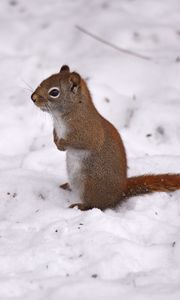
[{"x": 96, "y": 157}]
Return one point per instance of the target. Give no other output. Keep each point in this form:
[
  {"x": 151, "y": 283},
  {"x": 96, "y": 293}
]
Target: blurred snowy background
[{"x": 50, "y": 252}]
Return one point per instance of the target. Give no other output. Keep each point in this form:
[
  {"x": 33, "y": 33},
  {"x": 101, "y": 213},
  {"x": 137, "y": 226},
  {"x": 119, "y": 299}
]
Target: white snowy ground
[{"x": 48, "y": 251}]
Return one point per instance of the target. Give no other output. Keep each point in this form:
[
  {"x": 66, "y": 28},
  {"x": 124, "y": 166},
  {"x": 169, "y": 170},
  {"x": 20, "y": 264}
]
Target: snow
[{"x": 48, "y": 251}]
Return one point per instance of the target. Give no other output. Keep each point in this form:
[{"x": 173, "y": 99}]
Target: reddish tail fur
[{"x": 146, "y": 184}]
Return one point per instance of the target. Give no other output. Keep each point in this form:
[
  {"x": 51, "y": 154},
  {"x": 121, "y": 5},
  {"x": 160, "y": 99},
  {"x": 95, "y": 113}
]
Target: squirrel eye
[{"x": 54, "y": 92}]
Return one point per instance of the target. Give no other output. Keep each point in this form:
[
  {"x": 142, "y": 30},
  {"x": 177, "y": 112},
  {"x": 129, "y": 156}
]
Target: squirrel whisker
[{"x": 28, "y": 85}]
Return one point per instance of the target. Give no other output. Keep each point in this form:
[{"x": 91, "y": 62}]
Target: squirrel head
[{"x": 60, "y": 92}]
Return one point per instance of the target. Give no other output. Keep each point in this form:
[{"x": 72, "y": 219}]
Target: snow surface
[{"x": 48, "y": 251}]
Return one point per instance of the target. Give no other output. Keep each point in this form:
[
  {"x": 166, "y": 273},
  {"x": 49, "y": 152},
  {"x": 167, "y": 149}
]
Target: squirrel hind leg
[
  {"x": 80, "y": 206},
  {"x": 65, "y": 186}
]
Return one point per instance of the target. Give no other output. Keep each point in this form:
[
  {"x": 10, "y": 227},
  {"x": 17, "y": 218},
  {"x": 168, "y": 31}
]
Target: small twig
[{"x": 112, "y": 45}]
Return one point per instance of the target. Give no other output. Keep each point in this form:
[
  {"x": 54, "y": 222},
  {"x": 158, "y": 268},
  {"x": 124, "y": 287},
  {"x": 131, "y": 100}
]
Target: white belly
[
  {"x": 75, "y": 160},
  {"x": 60, "y": 126}
]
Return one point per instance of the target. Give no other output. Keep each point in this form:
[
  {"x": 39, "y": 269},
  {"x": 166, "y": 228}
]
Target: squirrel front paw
[{"x": 60, "y": 143}]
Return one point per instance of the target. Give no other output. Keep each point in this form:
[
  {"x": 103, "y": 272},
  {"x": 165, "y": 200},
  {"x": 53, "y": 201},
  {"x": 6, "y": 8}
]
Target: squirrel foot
[
  {"x": 80, "y": 206},
  {"x": 65, "y": 186}
]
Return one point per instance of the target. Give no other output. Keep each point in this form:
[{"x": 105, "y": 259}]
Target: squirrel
[{"x": 96, "y": 157}]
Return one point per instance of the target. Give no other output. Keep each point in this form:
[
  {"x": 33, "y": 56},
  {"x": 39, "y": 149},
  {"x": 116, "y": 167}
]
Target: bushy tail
[{"x": 146, "y": 184}]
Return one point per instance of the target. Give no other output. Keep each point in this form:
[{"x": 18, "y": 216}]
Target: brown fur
[{"x": 104, "y": 170}]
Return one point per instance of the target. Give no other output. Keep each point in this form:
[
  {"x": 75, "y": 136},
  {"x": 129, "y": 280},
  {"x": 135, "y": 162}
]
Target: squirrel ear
[
  {"x": 64, "y": 68},
  {"x": 75, "y": 80}
]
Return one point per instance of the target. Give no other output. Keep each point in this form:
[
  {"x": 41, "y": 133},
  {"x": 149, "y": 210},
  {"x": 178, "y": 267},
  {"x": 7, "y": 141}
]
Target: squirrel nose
[{"x": 34, "y": 97}]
